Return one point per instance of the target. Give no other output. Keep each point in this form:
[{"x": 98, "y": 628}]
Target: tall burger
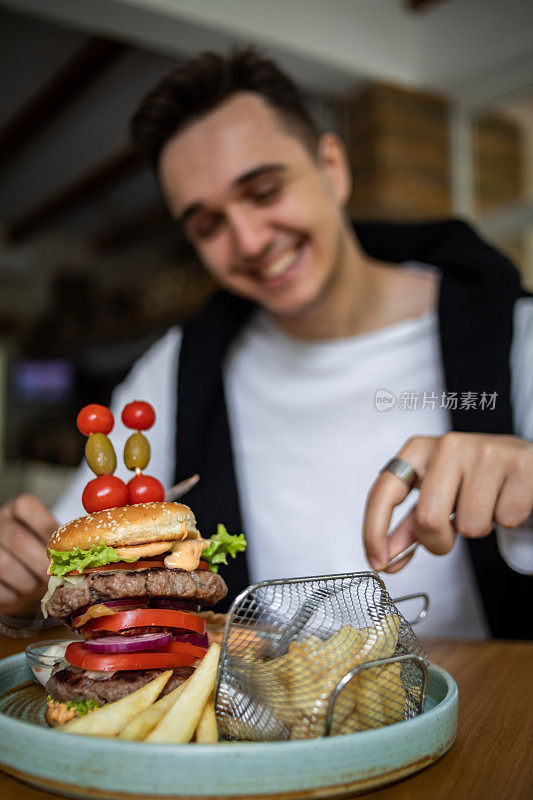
[{"x": 131, "y": 581}]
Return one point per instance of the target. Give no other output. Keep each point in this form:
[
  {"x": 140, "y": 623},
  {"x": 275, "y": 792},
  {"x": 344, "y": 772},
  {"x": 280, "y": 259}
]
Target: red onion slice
[
  {"x": 178, "y": 605},
  {"x": 129, "y": 644},
  {"x": 127, "y": 602},
  {"x": 198, "y": 639}
]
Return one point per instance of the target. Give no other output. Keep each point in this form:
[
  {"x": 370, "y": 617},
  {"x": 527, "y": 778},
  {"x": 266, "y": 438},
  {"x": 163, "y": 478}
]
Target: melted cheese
[
  {"x": 94, "y": 612},
  {"x": 143, "y": 550},
  {"x": 185, "y": 555}
]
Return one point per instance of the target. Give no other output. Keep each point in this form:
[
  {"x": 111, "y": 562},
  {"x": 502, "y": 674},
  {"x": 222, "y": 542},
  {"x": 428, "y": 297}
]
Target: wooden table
[{"x": 492, "y": 756}]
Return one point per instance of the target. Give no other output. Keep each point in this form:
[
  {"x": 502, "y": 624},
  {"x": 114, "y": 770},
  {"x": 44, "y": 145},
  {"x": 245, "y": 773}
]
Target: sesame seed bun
[{"x": 125, "y": 526}]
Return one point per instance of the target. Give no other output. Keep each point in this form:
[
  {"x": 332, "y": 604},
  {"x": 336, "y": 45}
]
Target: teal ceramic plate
[{"x": 86, "y": 767}]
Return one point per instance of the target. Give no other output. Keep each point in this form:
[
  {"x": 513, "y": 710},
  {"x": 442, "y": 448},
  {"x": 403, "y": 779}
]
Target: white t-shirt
[{"x": 309, "y": 441}]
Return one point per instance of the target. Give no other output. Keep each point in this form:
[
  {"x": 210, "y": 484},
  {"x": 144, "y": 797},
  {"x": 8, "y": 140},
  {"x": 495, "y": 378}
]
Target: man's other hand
[
  {"x": 484, "y": 479},
  {"x": 25, "y": 528}
]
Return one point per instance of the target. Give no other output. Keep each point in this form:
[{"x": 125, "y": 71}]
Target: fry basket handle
[
  {"x": 369, "y": 665},
  {"x": 423, "y": 611}
]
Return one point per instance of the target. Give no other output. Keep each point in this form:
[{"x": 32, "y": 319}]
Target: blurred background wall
[{"x": 434, "y": 99}]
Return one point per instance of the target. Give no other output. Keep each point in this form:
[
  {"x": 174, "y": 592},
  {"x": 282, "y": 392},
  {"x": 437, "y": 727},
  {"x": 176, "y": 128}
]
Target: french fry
[
  {"x": 380, "y": 699},
  {"x": 140, "y": 726},
  {"x": 206, "y": 730},
  {"x": 110, "y": 719},
  {"x": 180, "y": 721},
  {"x": 317, "y": 668},
  {"x": 381, "y": 639},
  {"x": 297, "y": 686}
]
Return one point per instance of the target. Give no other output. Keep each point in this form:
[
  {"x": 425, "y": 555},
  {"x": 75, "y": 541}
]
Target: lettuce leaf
[
  {"x": 81, "y": 707},
  {"x": 221, "y": 545},
  {"x": 99, "y": 555}
]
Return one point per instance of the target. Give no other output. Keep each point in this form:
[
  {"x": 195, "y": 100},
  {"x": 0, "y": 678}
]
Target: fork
[
  {"x": 405, "y": 552},
  {"x": 181, "y": 488}
]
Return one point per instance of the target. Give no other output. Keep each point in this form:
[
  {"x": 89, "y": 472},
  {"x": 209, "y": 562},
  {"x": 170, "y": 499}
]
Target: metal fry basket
[{"x": 308, "y": 657}]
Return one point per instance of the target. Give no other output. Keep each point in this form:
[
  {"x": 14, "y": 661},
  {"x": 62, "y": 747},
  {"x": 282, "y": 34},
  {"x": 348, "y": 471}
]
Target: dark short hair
[{"x": 201, "y": 84}]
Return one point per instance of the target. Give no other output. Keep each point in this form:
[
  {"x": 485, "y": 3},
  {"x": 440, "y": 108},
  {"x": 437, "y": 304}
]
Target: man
[{"x": 277, "y": 381}]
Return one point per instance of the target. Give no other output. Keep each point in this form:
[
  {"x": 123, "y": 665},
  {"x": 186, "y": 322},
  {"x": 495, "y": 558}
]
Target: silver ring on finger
[{"x": 403, "y": 470}]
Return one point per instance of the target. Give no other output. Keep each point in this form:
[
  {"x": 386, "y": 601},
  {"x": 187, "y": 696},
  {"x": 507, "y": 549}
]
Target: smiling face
[{"x": 265, "y": 217}]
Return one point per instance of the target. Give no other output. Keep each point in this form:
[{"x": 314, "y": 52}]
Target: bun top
[{"x": 125, "y": 526}]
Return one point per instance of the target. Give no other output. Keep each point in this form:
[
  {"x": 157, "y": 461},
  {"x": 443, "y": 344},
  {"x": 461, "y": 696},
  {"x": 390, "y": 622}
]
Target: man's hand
[
  {"x": 25, "y": 527},
  {"x": 483, "y": 479}
]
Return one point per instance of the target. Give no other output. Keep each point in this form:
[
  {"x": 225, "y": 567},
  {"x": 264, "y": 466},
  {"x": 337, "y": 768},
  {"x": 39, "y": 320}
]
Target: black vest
[{"x": 479, "y": 288}]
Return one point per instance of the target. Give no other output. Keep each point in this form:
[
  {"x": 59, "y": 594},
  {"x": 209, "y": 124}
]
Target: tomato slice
[
  {"x": 203, "y": 565},
  {"x": 186, "y": 649},
  {"x": 79, "y": 656},
  {"x": 130, "y": 565},
  {"x": 142, "y": 617}
]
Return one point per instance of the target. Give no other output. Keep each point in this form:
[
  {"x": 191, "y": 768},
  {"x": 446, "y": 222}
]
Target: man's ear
[{"x": 334, "y": 161}]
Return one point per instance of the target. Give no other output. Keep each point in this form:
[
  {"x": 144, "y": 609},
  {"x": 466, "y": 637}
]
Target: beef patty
[
  {"x": 201, "y": 586},
  {"x": 68, "y": 683}
]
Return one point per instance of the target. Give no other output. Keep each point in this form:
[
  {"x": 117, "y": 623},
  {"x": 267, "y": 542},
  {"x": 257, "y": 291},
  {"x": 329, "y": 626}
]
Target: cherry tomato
[
  {"x": 105, "y": 491},
  {"x": 79, "y": 655},
  {"x": 143, "y": 617},
  {"x": 138, "y": 415},
  {"x": 145, "y": 489},
  {"x": 95, "y": 419}
]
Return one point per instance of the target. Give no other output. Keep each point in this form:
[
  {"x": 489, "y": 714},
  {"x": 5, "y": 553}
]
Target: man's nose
[{"x": 251, "y": 235}]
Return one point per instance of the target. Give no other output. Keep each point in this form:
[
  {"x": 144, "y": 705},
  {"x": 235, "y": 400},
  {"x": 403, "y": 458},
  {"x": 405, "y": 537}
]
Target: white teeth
[{"x": 281, "y": 265}]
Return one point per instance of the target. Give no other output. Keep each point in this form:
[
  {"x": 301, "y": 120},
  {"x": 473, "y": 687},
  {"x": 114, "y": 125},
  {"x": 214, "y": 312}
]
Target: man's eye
[
  {"x": 205, "y": 228},
  {"x": 265, "y": 192}
]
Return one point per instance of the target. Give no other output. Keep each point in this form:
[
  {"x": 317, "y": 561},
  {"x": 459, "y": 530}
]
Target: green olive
[
  {"x": 100, "y": 454},
  {"x": 137, "y": 451}
]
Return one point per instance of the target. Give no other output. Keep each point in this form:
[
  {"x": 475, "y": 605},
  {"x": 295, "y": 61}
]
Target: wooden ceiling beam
[
  {"x": 81, "y": 190},
  {"x": 61, "y": 88}
]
